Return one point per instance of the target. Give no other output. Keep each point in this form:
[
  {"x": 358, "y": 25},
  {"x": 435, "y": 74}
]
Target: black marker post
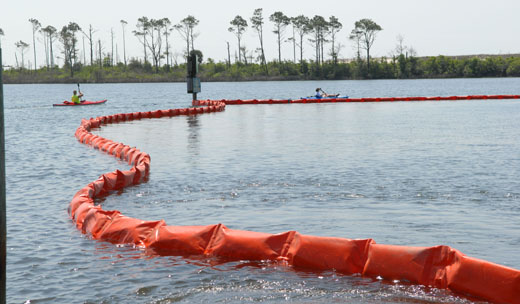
[{"x": 192, "y": 79}]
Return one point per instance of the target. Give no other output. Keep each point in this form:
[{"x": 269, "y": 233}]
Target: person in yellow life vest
[{"x": 75, "y": 97}]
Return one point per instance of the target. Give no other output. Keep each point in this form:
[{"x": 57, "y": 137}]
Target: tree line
[
  {"x": 159, "y": 60},
  {"x": 400, "y": 67},
  {"x": 154, "y": 36}
]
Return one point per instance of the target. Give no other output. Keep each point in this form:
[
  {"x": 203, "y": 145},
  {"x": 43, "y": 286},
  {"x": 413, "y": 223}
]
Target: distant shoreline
[
  {"x": 401, "y": 67},
  {"x": 155, "y": 80},
  {"x": 242, "y": 80},
  {"x": 255, "y": 79}
]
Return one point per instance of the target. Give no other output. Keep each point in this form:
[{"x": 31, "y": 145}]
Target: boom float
[{"x": 438, "y": 266}]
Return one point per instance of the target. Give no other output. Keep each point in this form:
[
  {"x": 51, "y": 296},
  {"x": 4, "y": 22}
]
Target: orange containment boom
[
  {"x": 439, "y": 266},
  {"x": 366, "y": 99}
]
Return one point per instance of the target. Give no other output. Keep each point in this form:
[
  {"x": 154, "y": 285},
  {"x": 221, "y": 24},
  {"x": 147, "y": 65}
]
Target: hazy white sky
[{"x": 431, "y": 27}]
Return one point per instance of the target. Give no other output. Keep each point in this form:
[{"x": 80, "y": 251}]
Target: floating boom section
[
  {"x": 438, "y": 266},
  {"x": 367, "y": 99}
]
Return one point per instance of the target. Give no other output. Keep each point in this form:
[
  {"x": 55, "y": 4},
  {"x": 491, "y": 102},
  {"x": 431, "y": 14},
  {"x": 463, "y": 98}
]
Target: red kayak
[{"x": 83, "y": 103}]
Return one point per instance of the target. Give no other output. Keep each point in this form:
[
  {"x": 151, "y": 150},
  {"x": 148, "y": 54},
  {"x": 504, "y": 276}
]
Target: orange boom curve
[{"x": 439, "y": 266}]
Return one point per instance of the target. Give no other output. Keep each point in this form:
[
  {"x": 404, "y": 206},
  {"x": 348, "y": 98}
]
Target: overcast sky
[{"x": 431, "y": 27}]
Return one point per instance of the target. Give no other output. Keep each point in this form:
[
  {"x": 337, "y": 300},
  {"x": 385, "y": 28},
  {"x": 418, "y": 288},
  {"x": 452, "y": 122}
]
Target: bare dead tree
[
  {"x": 90, "y": 38},
  {"x": 123, "y": 24},
  {"x": 36, "y": 25}
]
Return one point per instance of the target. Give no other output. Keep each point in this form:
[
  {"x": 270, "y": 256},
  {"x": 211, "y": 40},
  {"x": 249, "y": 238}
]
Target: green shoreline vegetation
[{"x": 382, "y": 68}]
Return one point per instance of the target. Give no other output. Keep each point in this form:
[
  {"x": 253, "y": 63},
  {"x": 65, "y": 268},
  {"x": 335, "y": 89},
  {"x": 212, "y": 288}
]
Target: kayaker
[
  {"x": 76, "y": 98},
  {"x": 319, "y": 94}
]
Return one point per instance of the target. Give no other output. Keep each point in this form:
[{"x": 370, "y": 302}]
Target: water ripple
[{"x": 401, "y": 173}]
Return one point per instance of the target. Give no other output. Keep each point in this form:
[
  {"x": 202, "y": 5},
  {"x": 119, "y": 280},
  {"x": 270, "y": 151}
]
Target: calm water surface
[{"x": 404, "y": 173}]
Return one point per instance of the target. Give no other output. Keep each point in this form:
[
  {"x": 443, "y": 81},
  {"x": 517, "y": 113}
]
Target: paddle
[
  {"x": 328, "y": 95},
  {"x": 79, "y": 92}
]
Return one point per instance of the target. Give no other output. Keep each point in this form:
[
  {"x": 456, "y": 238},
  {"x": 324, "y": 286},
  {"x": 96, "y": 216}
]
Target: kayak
[
  {"x": 83, "y": 103},
  {"x": 328, "y": 97}
]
